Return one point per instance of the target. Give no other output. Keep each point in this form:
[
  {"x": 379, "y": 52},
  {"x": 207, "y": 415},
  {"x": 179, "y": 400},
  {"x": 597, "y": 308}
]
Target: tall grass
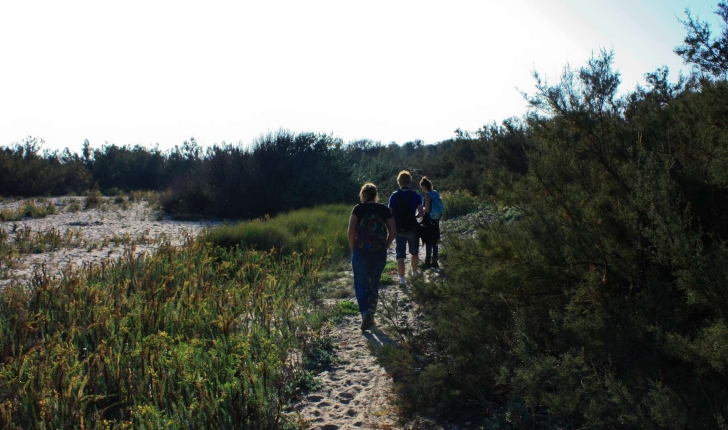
[
  {"x": 320, "y": 231},
  {"x": 459, "y": 203},
  {"x": 190, "y": 337}
]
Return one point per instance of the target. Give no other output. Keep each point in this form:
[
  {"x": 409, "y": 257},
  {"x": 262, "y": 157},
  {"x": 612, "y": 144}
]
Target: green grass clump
[
  {"x": 7, "y": 214},
  {"x": 389, "y": 269},
  {"x": 321, "y": 230},
  {"x": 93, "y": 199},
  {"x": 29, "y": 209},
  {"x": 459, "y": 203},
  {"x": 190, "y": 337},
  {"x": 348, "y": 307}
]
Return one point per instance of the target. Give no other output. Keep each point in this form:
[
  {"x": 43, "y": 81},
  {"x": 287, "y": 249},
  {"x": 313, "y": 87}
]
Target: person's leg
[
  {"x": 414, "y": 248},
  {"x": 428, "y": 254},
  {"x": 401, "y": 253},
  {"x": 435, "y": 244},
  {"x": 377, "y": 261},
  {"x": 359, "y": 264},
  {"x": 434, "y": 255}
]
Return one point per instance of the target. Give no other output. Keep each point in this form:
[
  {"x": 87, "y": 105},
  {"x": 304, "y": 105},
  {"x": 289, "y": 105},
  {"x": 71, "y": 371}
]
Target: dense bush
[
  {"x": 279, "y": 172},
  {"x": 604, "y": 304},
  {"x": 26, "y": 171},
  {"x": 126, "y": 168}
]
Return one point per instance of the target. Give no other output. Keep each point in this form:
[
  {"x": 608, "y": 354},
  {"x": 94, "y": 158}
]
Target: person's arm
[
  {"x": 428, "y": 203},
  {"x": 420, "y": 209},
  {"x": 392, "y": 228},
  {"x": 353, "y": 222}
]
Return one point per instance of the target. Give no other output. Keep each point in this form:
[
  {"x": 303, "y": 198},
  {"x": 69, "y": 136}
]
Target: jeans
[{"x": 368, "y": 267}]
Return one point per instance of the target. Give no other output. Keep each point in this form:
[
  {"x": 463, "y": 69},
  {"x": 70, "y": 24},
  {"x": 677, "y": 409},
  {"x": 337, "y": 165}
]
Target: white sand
[
  {"x": 140, "y": 226},
  {"x": 356, "y": 391}
]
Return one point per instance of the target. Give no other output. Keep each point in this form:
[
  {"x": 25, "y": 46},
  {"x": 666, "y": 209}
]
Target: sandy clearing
[{"x": 98, "y": 234}]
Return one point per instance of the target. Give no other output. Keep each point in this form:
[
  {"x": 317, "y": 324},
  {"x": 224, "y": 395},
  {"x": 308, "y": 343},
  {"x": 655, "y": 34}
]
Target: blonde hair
[
  {"x": 368, "y": 192},
  {"x": 426, "y": 183},
  {"x": 404, "y": 179}
]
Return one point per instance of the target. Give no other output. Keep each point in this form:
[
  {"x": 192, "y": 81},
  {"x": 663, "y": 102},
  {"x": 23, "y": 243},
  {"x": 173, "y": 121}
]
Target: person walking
[
  {"x": 371, "y": 232},
  {"x": 406, "y": 207},
  {"x": 431, "y": 222}
]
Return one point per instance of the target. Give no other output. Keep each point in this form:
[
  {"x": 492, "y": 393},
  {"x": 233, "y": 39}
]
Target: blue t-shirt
[{"x": 415, "y": 200}]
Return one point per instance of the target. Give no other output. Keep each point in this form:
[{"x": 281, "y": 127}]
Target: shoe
[
  {"x": 401, "y": 280},
  {"x": 435, "y": 265},
  {"x": 367, "y": 321}
]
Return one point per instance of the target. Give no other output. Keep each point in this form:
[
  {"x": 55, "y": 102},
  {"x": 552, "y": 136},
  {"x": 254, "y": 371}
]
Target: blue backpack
[{"x": 437, "y": 207}]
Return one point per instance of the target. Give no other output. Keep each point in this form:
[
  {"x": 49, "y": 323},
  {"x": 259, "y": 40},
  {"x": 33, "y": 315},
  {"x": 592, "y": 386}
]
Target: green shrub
[
  {"x": 73, "y": 206},
  {"x": 459, "y": 203},
  {"x": 597, "y": 299},
  {"x": 8, "y": 214},
  {"x": 93, "y": 199},
  {"x": 319, "y": 231}
]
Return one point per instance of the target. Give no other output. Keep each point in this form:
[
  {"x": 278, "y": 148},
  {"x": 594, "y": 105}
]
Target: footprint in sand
[{"x": 345, "y": 398}]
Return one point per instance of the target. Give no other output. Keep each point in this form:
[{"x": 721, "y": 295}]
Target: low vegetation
[
  {"x": 198, "y": 336},
  {"x": 319, "y": 231}
]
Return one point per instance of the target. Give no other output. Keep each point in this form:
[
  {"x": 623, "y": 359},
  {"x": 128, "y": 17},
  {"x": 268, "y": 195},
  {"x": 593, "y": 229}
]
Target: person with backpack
[
  {"x": 371, "y": 233},
  {"x": 406, "y": 207},
  {"x": 434, "y": 208}
]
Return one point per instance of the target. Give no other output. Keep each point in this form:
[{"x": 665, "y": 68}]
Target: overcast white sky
[{"x": 153, "y": 72}]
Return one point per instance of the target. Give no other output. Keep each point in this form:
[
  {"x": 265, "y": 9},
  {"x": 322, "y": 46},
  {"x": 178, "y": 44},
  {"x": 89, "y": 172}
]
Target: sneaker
[
  {"x": 367, "y": 321},
  {"x": 401, "y": 280}
]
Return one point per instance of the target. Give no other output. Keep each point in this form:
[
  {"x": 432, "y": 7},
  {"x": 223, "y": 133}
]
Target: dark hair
[
  {"x": 368, "y": 192},
  {"x": 426, "y": 183}
]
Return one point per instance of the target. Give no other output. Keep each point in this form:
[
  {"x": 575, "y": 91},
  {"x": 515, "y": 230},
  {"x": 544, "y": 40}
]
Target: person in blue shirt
[{"x": 406, "y": 206}]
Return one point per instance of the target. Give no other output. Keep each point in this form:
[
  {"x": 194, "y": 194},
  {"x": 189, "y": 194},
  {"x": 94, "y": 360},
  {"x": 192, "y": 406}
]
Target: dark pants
[
  {"x": 431, "y": 237},
  {"x": 368, "y": 268},
  {"x": 431, "y": 253}
]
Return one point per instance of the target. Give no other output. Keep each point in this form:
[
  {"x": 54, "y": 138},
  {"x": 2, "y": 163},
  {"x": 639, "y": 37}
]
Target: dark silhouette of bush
[
  {"x": 26, "y": 171},
  {"x": 279, "y": 172},
  {"x": 127, "y": 168},
  {"x": 603, "y": 305}
]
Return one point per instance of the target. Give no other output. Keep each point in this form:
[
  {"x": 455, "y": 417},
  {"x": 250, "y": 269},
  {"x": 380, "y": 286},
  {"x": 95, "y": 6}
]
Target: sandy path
[{"x": 356, "y": 391}]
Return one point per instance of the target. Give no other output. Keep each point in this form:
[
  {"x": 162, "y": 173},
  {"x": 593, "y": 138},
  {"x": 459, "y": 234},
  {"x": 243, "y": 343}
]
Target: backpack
[
  {"x": 437, "y": 207},
  {"x": 372, "y": 232},
  {"x": 404, "y": 214}
]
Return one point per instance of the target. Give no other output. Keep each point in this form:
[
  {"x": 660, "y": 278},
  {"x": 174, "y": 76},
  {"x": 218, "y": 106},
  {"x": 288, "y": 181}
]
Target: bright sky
[{"x": 152, "y": 72}]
